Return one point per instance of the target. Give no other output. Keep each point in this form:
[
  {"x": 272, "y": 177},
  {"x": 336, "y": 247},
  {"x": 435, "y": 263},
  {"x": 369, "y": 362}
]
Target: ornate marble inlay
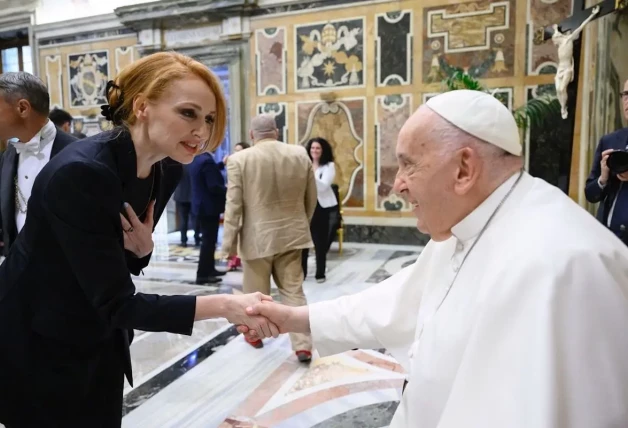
[
  {"x": 394, "y": 48},
  {"x": 330, "y": 55},
  {"x": 475, "y": 37},
  {"x": 88, "y": 74},
  {"x": 271, "y": 61},
  {"x": 340, "y": 122}
]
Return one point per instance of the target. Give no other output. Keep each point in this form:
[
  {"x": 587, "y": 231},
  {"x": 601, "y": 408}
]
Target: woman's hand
[
  {"x": 138, "y": 236},
  {"x": 236, "y": 313}
]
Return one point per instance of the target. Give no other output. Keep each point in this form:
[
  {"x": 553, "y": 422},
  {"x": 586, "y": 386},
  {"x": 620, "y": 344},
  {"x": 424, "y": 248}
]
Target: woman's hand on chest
[{"x": 138, "y": 235}]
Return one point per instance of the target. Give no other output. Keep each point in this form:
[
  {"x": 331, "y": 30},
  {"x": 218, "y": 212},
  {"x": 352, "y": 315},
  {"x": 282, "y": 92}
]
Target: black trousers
[
  {"x": 319, "y": 228},
  {"x": 209, "y": 229},
  {"x": 184, "y": 211}
]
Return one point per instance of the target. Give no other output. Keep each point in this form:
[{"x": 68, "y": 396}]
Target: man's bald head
[
  {"x": 264, "y": 127},
  {"x": 445, "y": 172}
]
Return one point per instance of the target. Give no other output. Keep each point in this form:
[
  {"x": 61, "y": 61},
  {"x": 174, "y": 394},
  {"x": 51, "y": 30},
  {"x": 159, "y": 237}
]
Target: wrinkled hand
[
  {"x": 138, "y": 236},
  {"x": 605, "y": 170},
  {"x": 238, "y": 314},
  {"x": 276, "y": 313}
]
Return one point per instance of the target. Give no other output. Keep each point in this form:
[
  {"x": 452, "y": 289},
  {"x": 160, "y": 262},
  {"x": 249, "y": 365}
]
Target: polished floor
[{"x": 214, "y": 379}]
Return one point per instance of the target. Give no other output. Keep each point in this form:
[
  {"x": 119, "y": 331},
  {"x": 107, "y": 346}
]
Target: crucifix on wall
[{"x": 563, "y": 36}]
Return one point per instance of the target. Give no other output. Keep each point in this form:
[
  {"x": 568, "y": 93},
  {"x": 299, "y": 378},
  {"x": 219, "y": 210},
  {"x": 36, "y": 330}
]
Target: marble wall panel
[
  {"x": 330, "y": 55},
  {"x": 393, "y": 60},
  {"x": 53, "y": 77},
  {"x": 391, "y": 112},
  {"x": 541, "y": 55},
  {"x": 270, "y": 55},
  {"x": 475, "y": 37},
  {"x": 88, "y": 73},
  {"x": 341, "y": 122},
  {"x": 278, "y": 110}
]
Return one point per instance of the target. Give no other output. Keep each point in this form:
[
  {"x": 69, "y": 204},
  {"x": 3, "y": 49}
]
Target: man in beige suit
[{"x": 271, "y": 197}]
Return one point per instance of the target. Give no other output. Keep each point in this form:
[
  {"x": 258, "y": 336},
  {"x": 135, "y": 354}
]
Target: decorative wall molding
[
  {"x": 20, "y": 17},
  {"x": 180, "y": 13},
  {"x": 80, "y": 30},
  {"x": 123, "y": 57},
  {"x": 53, "y": 70}
]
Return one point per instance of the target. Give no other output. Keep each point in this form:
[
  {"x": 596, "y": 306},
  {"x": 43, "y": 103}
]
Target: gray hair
[
  {"x": 263, "y": 126},
  {"x": 22, "y": 85}
]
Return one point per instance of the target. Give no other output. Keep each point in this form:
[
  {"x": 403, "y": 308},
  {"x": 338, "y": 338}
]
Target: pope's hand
[
  {"x": 238, "y": 313},
  {"x": 276, "y": 313}
]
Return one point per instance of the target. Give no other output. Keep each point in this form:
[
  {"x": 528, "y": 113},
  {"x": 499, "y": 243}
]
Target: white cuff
[{"x": 602, "y": 186}]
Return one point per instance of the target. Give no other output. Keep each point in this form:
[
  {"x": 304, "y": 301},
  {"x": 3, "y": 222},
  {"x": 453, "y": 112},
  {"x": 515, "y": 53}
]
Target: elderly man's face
[
  {"x": 425, "y": 177},
  {"x": 10, "y": 119},
  {"x": 624, "y": 99}
]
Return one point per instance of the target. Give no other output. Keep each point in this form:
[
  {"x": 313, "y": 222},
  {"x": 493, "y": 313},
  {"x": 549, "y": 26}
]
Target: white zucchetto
[{"x": 481, "y": 115}]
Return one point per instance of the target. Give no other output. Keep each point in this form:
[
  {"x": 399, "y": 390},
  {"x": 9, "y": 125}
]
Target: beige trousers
[{"x": 288, "y": 275}]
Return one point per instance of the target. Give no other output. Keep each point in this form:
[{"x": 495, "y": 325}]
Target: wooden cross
[{"x": 580, "y": 13}]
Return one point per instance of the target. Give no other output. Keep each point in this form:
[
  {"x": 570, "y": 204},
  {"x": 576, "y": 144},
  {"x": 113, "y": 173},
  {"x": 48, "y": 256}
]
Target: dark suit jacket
[
  {"x": 67, "y": 301},
  {"x": 8, "y": 170},
  {"x": 209, "y": 192},
  {"x": 183, "y": 192},
  {"x": 618, "y": 140}
]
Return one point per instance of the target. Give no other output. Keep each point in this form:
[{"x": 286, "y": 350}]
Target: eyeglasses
[{"x": 624, "y": 94}]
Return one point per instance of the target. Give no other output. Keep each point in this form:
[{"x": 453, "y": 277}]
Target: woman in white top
[{"x": 322, "y": 156}]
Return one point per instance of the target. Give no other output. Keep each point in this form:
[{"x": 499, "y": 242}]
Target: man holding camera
[{"x": 608, "y": 185}]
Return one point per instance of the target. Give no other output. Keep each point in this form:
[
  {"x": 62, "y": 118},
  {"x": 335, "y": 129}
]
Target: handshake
[{"x": 257, "y": 316}]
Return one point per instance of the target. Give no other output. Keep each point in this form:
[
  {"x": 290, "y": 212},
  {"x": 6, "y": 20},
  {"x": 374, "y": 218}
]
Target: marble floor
[{"x": 214, "y": 379}]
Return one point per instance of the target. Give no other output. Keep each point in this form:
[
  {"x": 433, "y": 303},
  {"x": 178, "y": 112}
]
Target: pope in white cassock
[{"x": 515, "y": 315}]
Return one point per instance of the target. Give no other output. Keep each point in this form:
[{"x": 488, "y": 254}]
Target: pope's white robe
[{"x": 533, "y": 333}]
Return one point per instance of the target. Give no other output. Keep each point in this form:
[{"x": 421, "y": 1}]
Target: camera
[{"x": 618, "y": 162}]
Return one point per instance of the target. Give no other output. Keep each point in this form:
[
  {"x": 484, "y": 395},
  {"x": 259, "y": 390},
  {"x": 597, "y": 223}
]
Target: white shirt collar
[
  {"x": 472, "y": 224},
  {"x": 39, "y": 142}
]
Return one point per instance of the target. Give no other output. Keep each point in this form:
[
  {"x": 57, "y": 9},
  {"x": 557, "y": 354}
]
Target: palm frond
[
  {"x": 461, "y": 80},
  {"x": 537, "y": 112}
]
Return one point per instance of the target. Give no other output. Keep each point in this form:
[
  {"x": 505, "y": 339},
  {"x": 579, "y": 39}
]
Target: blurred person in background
[
  {"x": 611, "y": 190},
  {"x": 63, "y": 120},
  {"x": 234, "y": 262},
  {"x": 322, "y": 157},
  {"x": 208, "y": 203},
  {"x": 271, "y": 197},
  {"x": 183, "y": 200}
]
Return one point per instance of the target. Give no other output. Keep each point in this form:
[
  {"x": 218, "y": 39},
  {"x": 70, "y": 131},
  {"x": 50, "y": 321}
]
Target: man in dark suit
[
  {"x": 611, "y": 190},
  {"x": 34, "y": 140},
  {"x": 183, "y": 199},
  {"x": 208, "y": 203}
]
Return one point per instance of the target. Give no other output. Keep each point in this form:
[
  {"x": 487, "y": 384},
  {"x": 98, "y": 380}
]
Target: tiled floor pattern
[{"x": 214, "y": 379}]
